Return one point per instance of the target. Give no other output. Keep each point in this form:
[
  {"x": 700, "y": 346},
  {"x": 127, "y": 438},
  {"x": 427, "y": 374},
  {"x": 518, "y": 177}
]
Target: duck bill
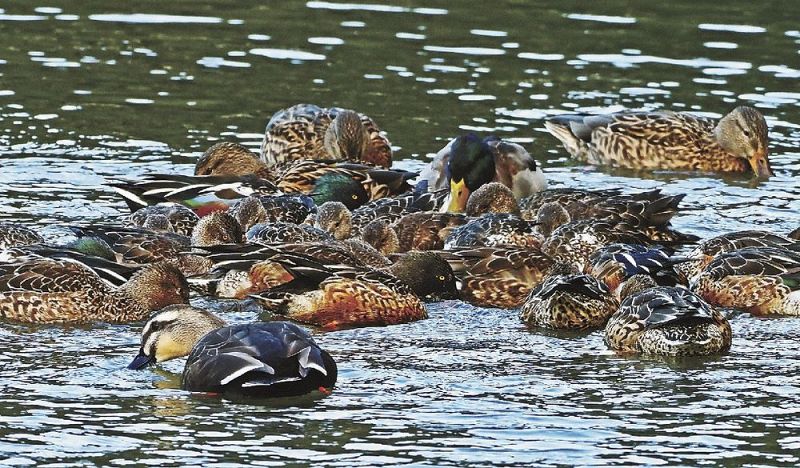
[
  {"x": 760, "y": 164},
  {"x": 459, "y": 193},
  {"x": 141, "y": 361}
]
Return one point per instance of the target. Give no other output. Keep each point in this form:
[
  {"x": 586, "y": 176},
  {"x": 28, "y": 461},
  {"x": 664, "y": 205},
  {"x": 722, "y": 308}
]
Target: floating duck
[
  {"x": 306, "y": 131},
  {"x": 665, "y": 321},
  {"x": 567, "y": 300},
  {"x": 760, "y": 280},
  {"x": 258, "y": 360},
  {"x": 45, "y": 290},
  {"x": 667, "y": 140}
]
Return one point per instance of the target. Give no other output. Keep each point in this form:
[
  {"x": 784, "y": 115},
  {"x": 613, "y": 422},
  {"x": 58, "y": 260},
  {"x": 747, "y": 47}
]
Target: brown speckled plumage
[
  {"x": 706, "y": 250},
  {"x": 302, "y": 178},
  {"x": 15, "y": 235},
  {"x": 58, "y": 291},
  {"x": 568, "y": 302},
  {"x": 306, "y": 131},
  {"x": 497, "y": 277},
  {"x": 667, "y": 321},
  {"x": 760, "y": 280},
  {"x": 227, "y": 158},
  {"x": 667, "y": 140},
  {"x": 426, "y": 230}
]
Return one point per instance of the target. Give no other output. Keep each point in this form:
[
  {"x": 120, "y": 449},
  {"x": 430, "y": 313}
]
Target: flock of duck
[{"x": 319, "y": 229}]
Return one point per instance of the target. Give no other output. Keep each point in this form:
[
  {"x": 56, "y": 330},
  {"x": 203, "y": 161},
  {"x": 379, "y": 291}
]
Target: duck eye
[
  {"x": 441, "y": 278},
  {"x": 354, "y": 196},
  {"x": 747, "y": 133}
]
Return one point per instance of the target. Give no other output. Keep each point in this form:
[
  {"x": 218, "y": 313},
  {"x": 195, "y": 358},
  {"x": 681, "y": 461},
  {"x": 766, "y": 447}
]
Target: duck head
[
  {"x": 158, "y": 285},
  {"x": 172, "y": 332},
  {"x": 493, "y": 197},
  {"x": 744, "y": 134},
  {"x": 335, "y": 218},
  {"x": 471, "y": 165},
  {"x": 341, "y": 188},
  {"x": 217, "y": 228},
  {"x": 346, "y": 137},
  {"x": 428, "y": 275},
  {"x": 233, "y": 159}
]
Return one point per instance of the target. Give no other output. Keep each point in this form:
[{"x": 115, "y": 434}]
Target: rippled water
[{"x": 94, "y": 90}]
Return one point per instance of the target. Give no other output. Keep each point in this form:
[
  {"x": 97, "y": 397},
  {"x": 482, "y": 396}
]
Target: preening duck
[
  {"x": 567, "y": 300},
  {"x": 258, "y": 360},
  {"x": 306, "y": 131},
  {"x": 760, "y": 280},
  {"x": 666, "y": 321},
  {"x": 668, "y": 140}
]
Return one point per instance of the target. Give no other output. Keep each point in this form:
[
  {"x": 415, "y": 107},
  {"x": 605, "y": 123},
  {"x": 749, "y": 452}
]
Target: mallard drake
[
  {"x": 336, "y": 298},
  {"x": 699, "y": 257},
  {"x": 306, "y": 176},
  {"x": 566, "y": 300},
  {"x": 272, "y": 208},
  {"x": 760, "y": 280},
  {"x": 667, "y": 140},
  {"x": 15, "y": 235},
  {"x": 467, "y": 162},
  {"x": 497, "y": 277},
  {"x": 666, "y": 321},
  {"x": 202, "y": 194},
  {"x": 615, "y": 263},
  {"x": 232, "y": 159},
  {"x": 47, "y": 290},
  {"x": 306, "y": 131},
  {"x": 253, "y": 360},
  {"x": 649, "y": 212}
]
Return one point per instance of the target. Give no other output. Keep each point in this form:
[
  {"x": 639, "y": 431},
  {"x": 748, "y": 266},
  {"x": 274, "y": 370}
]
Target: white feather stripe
[
  {"x": 130, "y": 196},
  {"x": 251, "y": 364}
]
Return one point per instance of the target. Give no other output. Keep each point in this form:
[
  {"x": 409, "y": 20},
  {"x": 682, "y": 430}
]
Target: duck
[
  {"x": 616, "y": 263},
  {"x": 499, "y": 277},
  {"x": 255, "y": 209},
  {"x": 137, "y": 245},
  {"x": 649, "y": 212},
  {"x": 665, "y": 321},
  {"x": 201, "y": 194},
  {"x": 759, "y": 280},
  {"x": 467, "y": 162},
  {"x": 305, "y": 176},
  {"x": 668, "y": 140},
  {"x": 232, "y": 159},
  {"x": 391, "y": 209},
  {"x": 334, "y": 298},
  {"x": 700, "y": 256},
  {"x": 566, "y": 299},
  {"x": 280, "y": 232},
  {"x": 51, "y": 290},
  {"x": 794, "y": 234},
  {"x": 335, "y": 219},
  {"x": 256, "y": 360},
  {"x": 245, "y": 269},
  {"x": 307, "y": 131},
  {"x": 17, "y": 235},
  {"x": 575, "y": 241}
]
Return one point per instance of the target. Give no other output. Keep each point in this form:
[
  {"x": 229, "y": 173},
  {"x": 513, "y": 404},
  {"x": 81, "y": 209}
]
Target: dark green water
[{"x": 91, "y": 90}]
